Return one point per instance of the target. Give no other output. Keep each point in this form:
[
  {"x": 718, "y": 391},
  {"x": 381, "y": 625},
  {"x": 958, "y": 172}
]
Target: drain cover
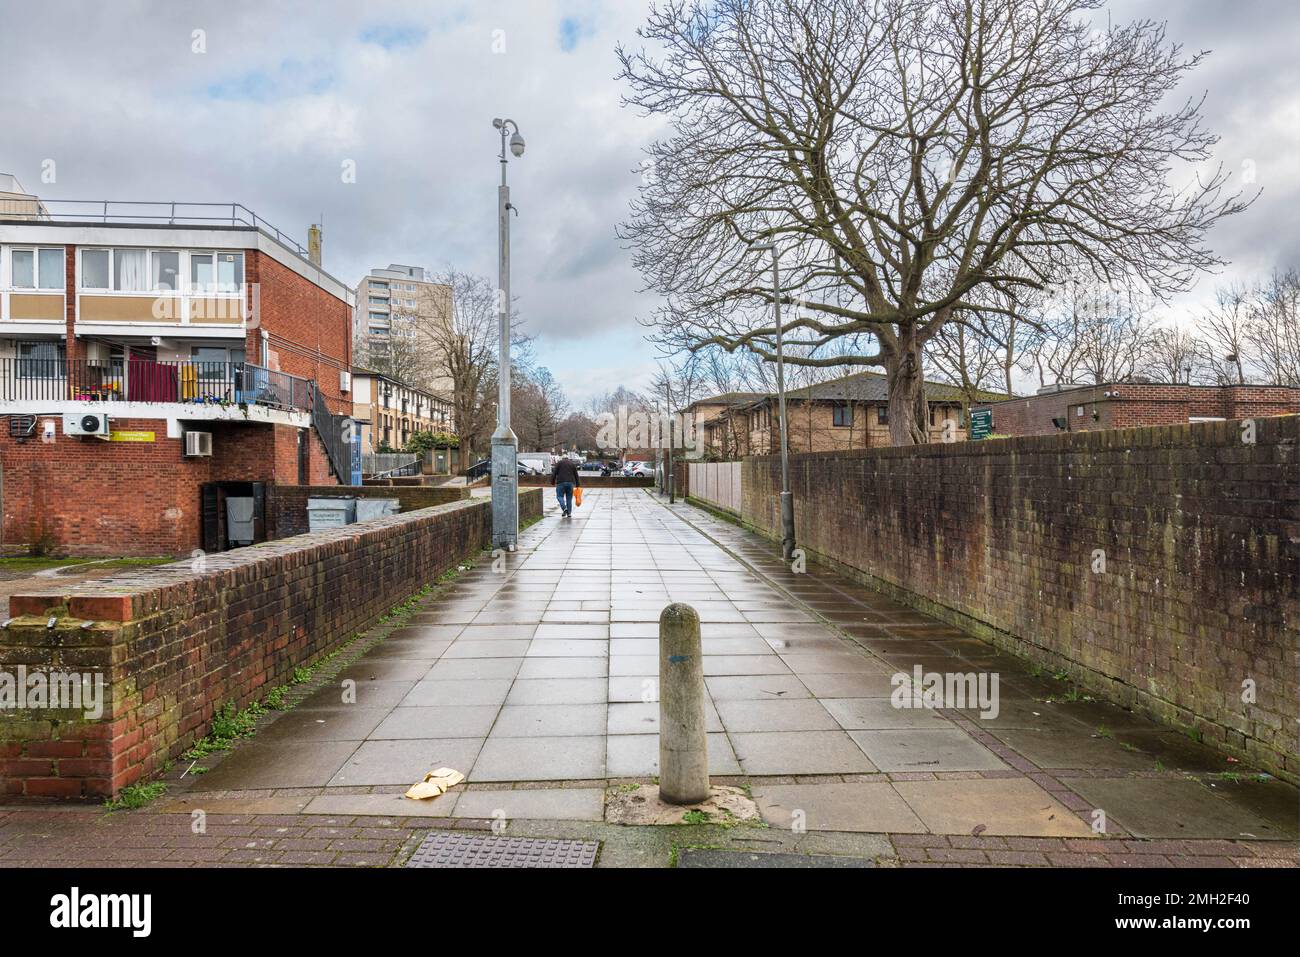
[{"x": 443, "y": 849}]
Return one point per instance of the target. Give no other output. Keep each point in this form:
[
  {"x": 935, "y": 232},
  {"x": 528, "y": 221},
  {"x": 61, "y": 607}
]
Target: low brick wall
[
  {"x": 286, "y": 505},
  {"x": 176, "y": 642},
  {"x": 1200, "y": 589}
]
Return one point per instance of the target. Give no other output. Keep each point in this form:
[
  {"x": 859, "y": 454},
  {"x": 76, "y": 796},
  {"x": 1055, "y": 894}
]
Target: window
[
  {"x": 130, "y": 270},
  {"x": 36, "y": 268},
  {"x": 216, "y": 272},
  {"x": 126, "y": 269},
  {"x": 95, "y": 268},
  {"x": 166, "y": 270},
  {"x": 882, "y": 415},
  {"x": 842, "y": 415},
  {"x": 51, "y": 269},
  {"x": 23, "y": 263},
  {"x": 41, "y": 359}
]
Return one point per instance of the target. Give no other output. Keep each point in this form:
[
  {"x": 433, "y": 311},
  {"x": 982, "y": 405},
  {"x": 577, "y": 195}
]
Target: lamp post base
[
  {"x": 505, "y": 492},
  {"x": 787, "y": 525}
]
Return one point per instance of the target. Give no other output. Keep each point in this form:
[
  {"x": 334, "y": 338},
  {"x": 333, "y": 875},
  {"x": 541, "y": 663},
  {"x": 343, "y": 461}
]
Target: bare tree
[
  {"x": 1223, "y": 329},
  {"x": 461, "y": 341},
  {"x": 1273, "y": 330},
  {"x": 912, "y": 159},
  {"x": 1177, "y": 356},
  {"x": 1090, "y": 333},
  {"x": 538, "y": 404}
]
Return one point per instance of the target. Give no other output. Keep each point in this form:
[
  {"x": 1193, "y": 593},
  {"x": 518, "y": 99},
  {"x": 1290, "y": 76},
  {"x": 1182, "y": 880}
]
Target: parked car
[
  {"x": 599, "y": 468},
  {"x": 484, "y": 466},
  {"x": 638, "y": 469}
]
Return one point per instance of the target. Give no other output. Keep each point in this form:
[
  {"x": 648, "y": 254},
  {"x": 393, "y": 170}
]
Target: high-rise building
[{"x": 402, "y": 320}]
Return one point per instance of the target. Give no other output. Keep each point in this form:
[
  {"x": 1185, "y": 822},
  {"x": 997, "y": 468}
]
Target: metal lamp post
[
  {"x": 787, "y": 499},
  {"x": 505, "y": 447}
]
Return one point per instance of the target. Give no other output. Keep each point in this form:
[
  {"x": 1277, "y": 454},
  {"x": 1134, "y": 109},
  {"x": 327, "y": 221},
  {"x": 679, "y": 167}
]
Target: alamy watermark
[
  {"x": 640, "y": 429},
  {"x": 955, "y": 690},
  {"x": 23, "y": 690}
]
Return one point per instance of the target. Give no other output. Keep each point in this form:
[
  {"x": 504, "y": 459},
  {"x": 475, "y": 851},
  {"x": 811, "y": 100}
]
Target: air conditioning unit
[
  {"x": 85, "y": 423},
  {"x": 345, "y": 380},
  {"x": 198, "y": 443}
]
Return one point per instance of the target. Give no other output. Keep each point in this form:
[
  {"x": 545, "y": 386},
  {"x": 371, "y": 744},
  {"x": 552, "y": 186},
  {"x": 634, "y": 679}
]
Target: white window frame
[{"x": 7, "y": 271}]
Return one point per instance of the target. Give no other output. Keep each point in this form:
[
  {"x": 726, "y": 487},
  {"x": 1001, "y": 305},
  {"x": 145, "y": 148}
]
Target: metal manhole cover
[{"x": 442, "y": 849}]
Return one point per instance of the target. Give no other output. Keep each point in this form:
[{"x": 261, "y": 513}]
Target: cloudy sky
[{"x": 285, "y": 95}]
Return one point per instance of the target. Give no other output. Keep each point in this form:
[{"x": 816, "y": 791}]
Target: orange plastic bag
[{"x": 577, "y": 495}]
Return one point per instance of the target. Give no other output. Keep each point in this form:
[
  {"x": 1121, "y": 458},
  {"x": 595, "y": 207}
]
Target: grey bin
[
  {"x": 330, "y": 512},
  {"x": 239, "y": 521},
  {"x": 369, "y": 509}
]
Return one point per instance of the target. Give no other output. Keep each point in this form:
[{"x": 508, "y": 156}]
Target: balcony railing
[{"x": 146, "y": 380}]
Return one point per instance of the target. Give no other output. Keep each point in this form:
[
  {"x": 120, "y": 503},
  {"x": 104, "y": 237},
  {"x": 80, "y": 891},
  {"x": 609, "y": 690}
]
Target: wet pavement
[
  {"x": 543, "y": 668},
  {"x": 536, "y": 675}
]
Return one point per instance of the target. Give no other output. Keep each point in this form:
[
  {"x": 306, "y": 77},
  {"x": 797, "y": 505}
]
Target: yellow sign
[{"x": 131, "y": 437}]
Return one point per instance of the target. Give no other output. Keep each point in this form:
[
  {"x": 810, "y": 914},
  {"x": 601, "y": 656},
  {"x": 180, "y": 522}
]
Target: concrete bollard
[{"x": 683, "y": 745}]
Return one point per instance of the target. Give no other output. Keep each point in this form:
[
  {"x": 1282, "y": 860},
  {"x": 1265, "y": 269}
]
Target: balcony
[{"x": 146, "y": 380}]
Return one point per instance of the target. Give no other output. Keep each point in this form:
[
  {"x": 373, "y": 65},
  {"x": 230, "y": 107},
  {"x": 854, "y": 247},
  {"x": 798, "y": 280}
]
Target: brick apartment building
[
  {"x": 1117, "y": 405},
  {"x": 851, "y": 412},
  {"x": 149, "y": 350},
  {"x": 390, "y": 411}
]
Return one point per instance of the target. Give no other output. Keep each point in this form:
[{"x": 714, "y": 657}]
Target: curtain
[{"x": 130, "y": 267}]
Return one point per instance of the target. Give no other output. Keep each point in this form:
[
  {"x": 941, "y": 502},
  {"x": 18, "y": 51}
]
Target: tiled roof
[{"x": 872, "y": 387}]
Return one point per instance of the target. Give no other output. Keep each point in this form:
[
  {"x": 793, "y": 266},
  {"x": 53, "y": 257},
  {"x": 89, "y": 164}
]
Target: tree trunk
[{"x": 908, "y": 415}]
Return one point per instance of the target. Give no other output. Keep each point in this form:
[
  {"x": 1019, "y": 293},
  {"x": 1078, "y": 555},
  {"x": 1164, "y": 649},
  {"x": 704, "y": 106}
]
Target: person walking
[{"x": 564, "y": 476}]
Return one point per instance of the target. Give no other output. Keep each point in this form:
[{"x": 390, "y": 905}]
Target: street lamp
[
  {"x": 505, "y": 448},
  {"x": 787, "y": 500}
]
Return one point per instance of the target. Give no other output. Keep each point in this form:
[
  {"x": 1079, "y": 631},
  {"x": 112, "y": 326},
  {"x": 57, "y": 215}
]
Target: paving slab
[
  {"x": 537, "y": 804},
  {"x": 942, "y": 749},
  {"x": 468, "y": 692},
  {"x": 550, "y": 720},
  {"x": 997, "y": 807},
  {"x": 799, "y": 752},
  {"x": 464, "y": 721},
  {"x": 277, "y": 764},
  {"x": 404, "y": 762},
  {"x": 541, "y": 759},
  {"x": 1171, "y": 808},
  {"x": 871, "y": 807}
]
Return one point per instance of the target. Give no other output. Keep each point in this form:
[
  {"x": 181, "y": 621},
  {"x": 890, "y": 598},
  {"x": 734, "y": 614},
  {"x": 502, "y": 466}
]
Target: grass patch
[
  {"x": 36, "y": 563},
  {"x": 136, "y": 796}
]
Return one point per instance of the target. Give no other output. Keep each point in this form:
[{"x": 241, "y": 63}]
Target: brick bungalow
[{"x": 1118, "y": 405}]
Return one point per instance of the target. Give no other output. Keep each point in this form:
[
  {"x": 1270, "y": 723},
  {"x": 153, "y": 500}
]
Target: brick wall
[
  {"x": 309, "y": 328},
  {"x": 87, "y": 497},
  {"x": 287, "y": 504},
  {"x": 176, "y": 643},
  {"x": 1201, "y": 534}
]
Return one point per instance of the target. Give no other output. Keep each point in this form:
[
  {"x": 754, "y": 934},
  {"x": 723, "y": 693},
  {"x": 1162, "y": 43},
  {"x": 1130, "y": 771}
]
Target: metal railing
[
  {"x": 335, "y": 432},
  {"x": 386, "y": 464},
  {"x": 169, "y": 213},
  {"x": 147, "y": 380}
]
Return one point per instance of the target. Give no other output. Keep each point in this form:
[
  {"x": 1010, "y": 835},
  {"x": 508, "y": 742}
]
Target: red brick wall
[
  {"x": 1201, "y": 534},
  {"x": 87, "y": 497},
  {"x": 176, "y": 643},
  {"x": 1128, "y": 404},
  {"x": 310, "y": 329}
]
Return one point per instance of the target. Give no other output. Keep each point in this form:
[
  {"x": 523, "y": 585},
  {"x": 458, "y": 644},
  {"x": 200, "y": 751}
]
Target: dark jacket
[{"x": 563, "y": 471}]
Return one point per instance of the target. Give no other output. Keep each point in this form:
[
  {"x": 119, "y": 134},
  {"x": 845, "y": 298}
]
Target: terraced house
[{"x": 157, "y": 359}]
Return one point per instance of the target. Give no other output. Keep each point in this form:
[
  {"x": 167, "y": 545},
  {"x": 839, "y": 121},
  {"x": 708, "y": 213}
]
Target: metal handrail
[{"x": 170, "y": 213}]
